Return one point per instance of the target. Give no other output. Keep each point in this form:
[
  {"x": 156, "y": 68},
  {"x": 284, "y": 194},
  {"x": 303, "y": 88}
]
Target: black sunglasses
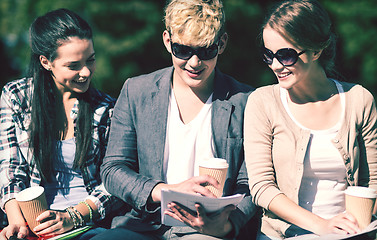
[
  {"x": 286, "y": 56},
  {"x": 185, "y": 52}
]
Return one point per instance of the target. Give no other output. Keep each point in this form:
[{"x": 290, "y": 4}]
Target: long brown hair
[
  {"x": 47, "y": 33},
  {"x": 307, "y": 25}
]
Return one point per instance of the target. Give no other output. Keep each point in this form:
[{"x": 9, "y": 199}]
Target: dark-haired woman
[
  {"x": 54, "y": 130},
  {"x": 310, "y": 136}
]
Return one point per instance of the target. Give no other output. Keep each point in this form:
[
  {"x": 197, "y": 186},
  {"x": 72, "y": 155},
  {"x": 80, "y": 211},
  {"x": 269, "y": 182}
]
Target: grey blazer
[{"x": 134, "y": 159}]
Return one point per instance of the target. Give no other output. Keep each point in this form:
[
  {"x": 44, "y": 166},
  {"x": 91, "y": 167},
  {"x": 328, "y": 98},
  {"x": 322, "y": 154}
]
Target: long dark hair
[
  {"x": 47, "y": 33},
  {"x": 306, "y": 24}
]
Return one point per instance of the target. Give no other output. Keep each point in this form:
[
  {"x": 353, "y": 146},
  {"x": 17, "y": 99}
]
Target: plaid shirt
[{"x": 17, "y": 167}]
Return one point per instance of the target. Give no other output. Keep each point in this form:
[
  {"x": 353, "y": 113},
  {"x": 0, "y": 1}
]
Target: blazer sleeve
[
  {"x": 246, "y": 209},
  {"x": 120, "y": 168}
]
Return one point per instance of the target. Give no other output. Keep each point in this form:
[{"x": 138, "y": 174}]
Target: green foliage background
[{"x": 128, "y": 42}]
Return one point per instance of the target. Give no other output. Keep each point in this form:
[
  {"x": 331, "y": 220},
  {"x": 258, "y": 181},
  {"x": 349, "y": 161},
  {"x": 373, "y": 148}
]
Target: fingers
[
  {"x": 344, "y": 223},
  {"x": 53, "y": 222},
  {"x": 350, "y": 224},
  {"x": 8, "y": 233},
  {"x": 203, "y": 191},
  {"x": 45, "y": 220},
  {"x": 14, "y": 230},
  {"x": 183, "y": 214},
  {"x": 23, "y": 232},
  {"x": 49, "y": 228},
  {"x": 171, "y": 214},
  {"x": 207, "y": 180},
  {"x": 193, "y": 185},
  {"x": 351, "y": 218},
  {"x": 200, "y": 182},
  {"x": 46, "y": 215},
  {"x": 199, "y": 219}
]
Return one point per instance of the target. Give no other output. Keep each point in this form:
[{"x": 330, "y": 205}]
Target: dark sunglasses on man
[
  {"x": 286, "y": 56},
  {"x": 185, "y": 52}
]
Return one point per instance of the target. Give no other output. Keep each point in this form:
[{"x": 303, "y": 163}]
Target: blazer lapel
[
  {"x": 221, "y": 112},
  {"x": 159, "y": 100}
]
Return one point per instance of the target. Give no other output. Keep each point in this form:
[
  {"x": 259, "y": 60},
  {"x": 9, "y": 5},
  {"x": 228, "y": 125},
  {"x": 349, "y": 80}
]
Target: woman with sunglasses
[
  {"x": 54, "y": 130},
  {"x": 310, "y": 136}
]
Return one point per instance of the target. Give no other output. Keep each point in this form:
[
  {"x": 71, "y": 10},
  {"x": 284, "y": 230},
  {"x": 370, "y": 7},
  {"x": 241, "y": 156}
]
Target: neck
[
  {"x": 201, "y": 92},
  {"x": 316, "y": 87}
]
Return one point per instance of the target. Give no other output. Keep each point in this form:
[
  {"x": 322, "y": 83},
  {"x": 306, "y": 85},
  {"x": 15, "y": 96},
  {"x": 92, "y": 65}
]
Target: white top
[
  {"x": 324, "y": 179},
  {"x": 67, "y": 188},
  {"x": 187, "y": 144}
]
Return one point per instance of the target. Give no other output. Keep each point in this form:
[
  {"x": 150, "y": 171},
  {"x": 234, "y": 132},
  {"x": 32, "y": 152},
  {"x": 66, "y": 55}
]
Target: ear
[
  {"x": 166, "y": 40},
  {"x": 45, "y": 62},
  {"x": 317, "y": 54},
  {"x": 222, "y": 43}
]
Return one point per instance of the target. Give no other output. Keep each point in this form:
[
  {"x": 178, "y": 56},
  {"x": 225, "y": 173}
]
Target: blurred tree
[
  {"x": 355, "y": 23},
  {"x": 128, "y": 42}
]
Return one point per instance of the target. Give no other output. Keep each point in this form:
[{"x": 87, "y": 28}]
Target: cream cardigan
[{"x": 275, "y": 148}]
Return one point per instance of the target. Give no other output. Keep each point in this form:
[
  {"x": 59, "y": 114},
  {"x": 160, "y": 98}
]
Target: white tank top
[
  {"x": 67, "y": 188},
  {"x": 324, "y": 179}
]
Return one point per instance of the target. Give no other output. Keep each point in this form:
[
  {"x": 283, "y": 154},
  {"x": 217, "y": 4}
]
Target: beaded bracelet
[
  {"x": 76, "y": 217},
  {"x": 90, "y": 210},
  {"x": 73, "y": 217},
  {"x": 79, "y": 216}
]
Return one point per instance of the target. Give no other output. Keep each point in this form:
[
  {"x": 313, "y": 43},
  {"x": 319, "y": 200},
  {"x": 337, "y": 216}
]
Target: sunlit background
[{"x": 128, "y": 42}]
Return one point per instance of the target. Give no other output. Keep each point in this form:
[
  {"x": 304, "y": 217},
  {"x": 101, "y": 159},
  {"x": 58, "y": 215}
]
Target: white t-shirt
[
  {"x": 187, "y": 144},
  {"x": 324, "y": 179}
]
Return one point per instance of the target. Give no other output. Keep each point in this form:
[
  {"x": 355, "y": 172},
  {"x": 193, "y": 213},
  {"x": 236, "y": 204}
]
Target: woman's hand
[
  {"x": 343, "y": 223},
  {"x": 18, "y": 230},
  {"x": 217, "y": 225},
  {"x": 53, "y": 223}
]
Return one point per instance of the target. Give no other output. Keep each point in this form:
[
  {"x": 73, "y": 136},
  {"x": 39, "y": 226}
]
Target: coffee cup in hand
[
  {"x": 32, "y": 202},
  {"x": 217, "y": 168},
  {"x": 360, "y": 203}
]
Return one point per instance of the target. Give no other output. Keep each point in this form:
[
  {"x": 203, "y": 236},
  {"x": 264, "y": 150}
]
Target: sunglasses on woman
[
  {"x": 286, "y": 56},
  {"x": 185, "y": 52}
]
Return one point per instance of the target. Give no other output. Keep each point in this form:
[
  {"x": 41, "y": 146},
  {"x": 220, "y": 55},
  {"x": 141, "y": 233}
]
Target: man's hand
[
  {"x": 193, "y": 185},
  {"x": 217, "y": 225}
]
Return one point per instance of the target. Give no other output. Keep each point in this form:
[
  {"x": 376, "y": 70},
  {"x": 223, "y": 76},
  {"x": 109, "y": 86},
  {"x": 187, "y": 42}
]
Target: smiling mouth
[
  {"x": 195, "y": 72},
  {"x": 83, "y": 80},
  {"x": 283, "y": 75}
]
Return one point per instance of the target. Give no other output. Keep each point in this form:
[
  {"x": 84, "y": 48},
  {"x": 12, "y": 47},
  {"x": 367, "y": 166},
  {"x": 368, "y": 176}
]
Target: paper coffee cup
[
  {"x": 217, "y": 168},
  {"x": 360, "y": 202},
  {"x": 32, "y": 202}
]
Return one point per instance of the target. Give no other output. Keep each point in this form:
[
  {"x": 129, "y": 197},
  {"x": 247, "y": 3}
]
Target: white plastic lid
[
  {"x": 214, "y": 163},
  {"x": 361, "y": 192},
  {"x": 29, "y": 193}
]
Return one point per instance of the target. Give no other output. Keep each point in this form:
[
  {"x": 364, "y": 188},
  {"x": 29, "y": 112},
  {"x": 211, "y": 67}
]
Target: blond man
[{"x": 167, "y": 121}]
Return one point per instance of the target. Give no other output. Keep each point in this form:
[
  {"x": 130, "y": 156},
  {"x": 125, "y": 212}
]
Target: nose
[
  {"x": 85, "y": 72},
  {"x": 194, "y": 61},
  {"x": 276, "y": 65}
]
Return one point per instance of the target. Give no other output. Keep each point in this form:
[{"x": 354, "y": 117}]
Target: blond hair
[{"x": 200, "y": 22}]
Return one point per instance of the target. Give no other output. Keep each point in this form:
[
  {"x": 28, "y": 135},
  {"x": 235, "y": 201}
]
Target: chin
[{"x": 81, "y": 90}]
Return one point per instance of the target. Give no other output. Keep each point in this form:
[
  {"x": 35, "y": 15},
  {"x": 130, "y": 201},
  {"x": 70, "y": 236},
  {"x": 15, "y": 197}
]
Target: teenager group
[{"x": 292, "y": 147}]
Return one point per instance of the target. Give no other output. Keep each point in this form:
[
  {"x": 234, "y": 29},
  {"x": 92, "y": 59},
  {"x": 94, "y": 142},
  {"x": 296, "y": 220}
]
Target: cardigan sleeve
[
  {"x": 258, "y": 151},
  {"x": 369, "y": 140}
]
